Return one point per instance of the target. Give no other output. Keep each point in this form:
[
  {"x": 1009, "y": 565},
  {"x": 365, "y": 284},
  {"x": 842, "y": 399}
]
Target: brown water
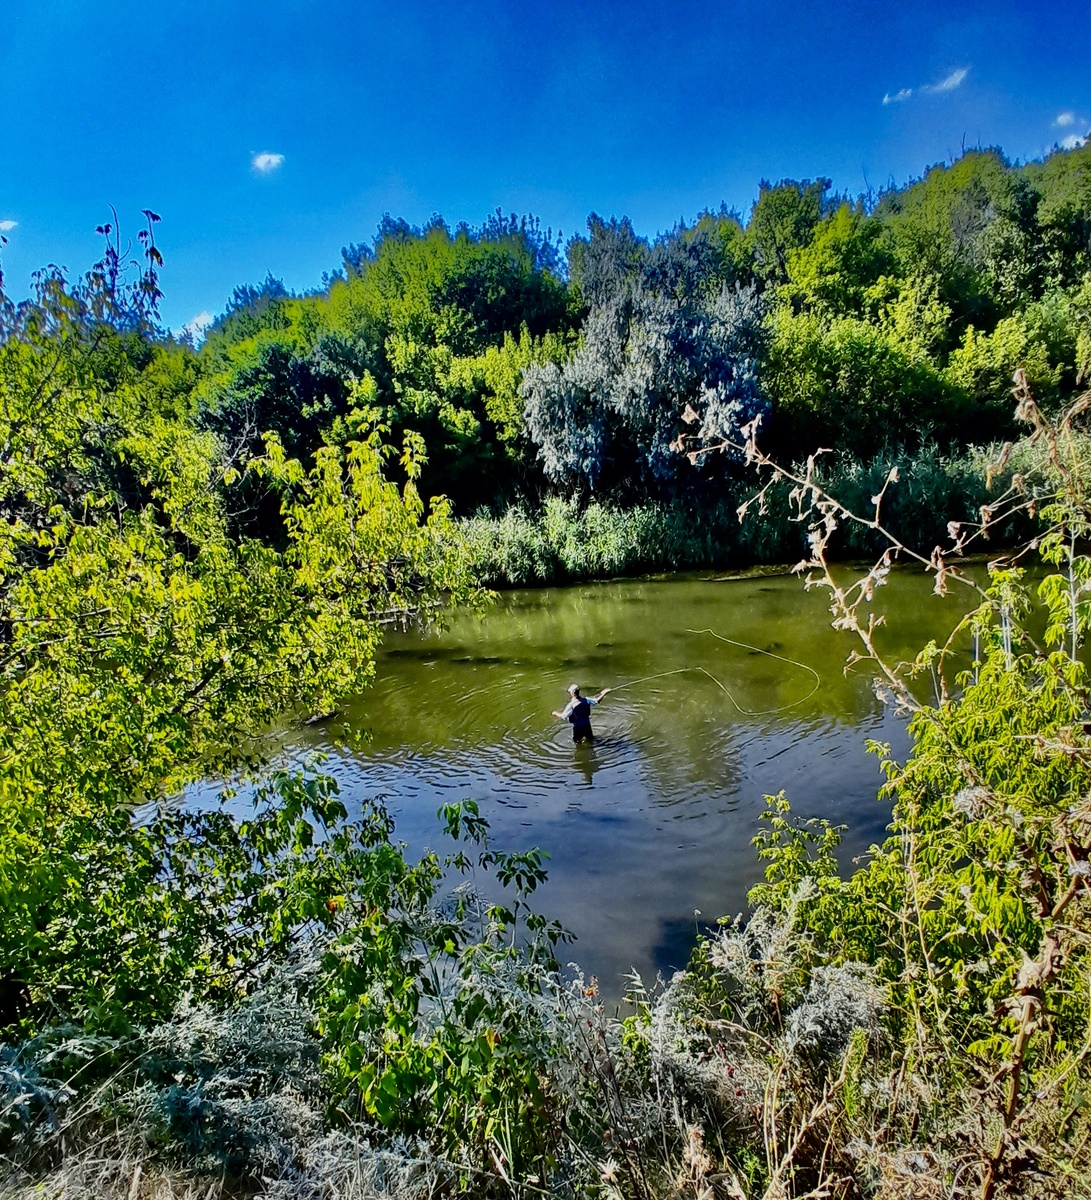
[{"x": 649, "y": 828}]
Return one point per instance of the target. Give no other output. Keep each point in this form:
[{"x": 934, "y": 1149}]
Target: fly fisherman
[{"x": 578, "y": 711}]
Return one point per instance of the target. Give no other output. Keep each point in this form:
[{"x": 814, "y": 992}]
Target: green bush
[
  {"x": 564, "y": 542},
  {"x": 847, "y": 384}
]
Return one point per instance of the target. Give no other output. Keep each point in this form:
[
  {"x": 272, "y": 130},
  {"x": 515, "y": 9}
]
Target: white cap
[{"x": 573, "y": 688}]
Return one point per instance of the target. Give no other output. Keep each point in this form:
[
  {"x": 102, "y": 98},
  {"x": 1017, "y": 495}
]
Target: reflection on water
[
  {"x": 651, "y": 823},
  {"x": 587, "y": 760}
]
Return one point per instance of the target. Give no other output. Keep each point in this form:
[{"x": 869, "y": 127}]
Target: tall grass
[{"x": 565, "y": 541}]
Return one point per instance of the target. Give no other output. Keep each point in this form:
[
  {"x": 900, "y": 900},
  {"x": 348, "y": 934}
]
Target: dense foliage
[
  {"x": 145, "y": 647},
  {"x": 871, "y": 326},
  {"x": 661, "y": 332}
]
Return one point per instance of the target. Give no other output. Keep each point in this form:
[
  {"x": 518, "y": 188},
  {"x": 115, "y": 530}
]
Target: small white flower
[
  {"x": 1080, "y": 869},
  {"x": 971, "y": 801}
]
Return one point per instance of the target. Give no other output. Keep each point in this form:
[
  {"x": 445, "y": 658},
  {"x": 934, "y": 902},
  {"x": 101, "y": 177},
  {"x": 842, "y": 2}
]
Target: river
[{"x": 648, "y": 829}]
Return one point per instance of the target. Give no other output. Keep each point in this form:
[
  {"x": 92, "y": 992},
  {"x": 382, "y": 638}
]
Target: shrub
[{"x": 565, "y": 541}]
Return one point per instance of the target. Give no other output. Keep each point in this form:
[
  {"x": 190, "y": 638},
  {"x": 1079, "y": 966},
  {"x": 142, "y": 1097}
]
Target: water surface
[{"x": 649, "y": 828}]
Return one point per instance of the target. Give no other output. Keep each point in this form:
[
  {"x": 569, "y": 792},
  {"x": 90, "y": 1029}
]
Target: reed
[{"x": 565, "y": 541}]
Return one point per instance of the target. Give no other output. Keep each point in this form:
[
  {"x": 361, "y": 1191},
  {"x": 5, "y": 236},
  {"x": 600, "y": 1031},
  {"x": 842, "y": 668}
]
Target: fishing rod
[{"x": 760, "y": 712}]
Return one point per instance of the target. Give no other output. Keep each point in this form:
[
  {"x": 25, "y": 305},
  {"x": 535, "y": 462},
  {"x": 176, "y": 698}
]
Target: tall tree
[
  {"x": 783, "y": 218},
  {"x": 660, "y": 333}
]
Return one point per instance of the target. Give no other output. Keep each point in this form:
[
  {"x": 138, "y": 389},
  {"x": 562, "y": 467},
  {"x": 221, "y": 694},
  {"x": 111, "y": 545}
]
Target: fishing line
[{"x": 746, "y": 712}]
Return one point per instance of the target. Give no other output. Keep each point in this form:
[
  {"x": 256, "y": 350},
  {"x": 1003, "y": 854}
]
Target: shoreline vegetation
[
  {"x": 568, "y": 542},
  {"x": 197, "y": 539}
]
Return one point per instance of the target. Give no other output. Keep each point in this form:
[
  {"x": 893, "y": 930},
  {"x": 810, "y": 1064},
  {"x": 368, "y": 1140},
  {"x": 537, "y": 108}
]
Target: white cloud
[
  {"x": 265, "y": 162},
  {"x": 7, "y": 226},
  {"x": 947, "y": 84},
  {"x": 196, "y": 327},
  {"x": 1065, "y": 120},
  {"x": 951, "y": 82}
]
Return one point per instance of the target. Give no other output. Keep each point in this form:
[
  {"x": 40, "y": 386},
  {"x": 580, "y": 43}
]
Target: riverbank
[{"x": 565, "y": 541}]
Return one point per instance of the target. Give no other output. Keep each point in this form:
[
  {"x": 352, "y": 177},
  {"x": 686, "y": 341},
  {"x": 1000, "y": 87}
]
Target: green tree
[
  {"x": 144, "y": 645},
  {"x": 836, "y": 272},
  {"x": 783, "y": 219},
  {"x": 845, "y": 383},
  {"x": 971, "y": 227},
  {"x": 1063, "y": 182}
]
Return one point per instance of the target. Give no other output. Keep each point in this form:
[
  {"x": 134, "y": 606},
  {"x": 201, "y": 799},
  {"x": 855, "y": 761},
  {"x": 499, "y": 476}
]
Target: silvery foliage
[
  {"x": 777, "y": 1003},
  {"x": 34, "y": 1086},
  {"x": 764, "y": 967},
  {"x": 236, "y": 1087},
  {"x": 350, "y": 1165},
  {"x": 235, "y": 1090},
  {"x": 661, "y": 332},
  {"x": 839, "y": 1001},
  {"x": 681, "y": 1049},
  {"x": 760, "y": 962}
]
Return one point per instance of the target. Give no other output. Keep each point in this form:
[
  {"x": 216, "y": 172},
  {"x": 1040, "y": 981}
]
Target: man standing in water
[{"x": 578, "y": 711}]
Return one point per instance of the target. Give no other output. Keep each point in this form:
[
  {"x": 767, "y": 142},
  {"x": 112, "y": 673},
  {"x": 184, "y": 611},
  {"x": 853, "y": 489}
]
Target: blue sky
[{"x": 652, "y": 110}]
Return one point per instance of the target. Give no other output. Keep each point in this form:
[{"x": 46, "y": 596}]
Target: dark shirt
[{"x": 578, "y": 711}]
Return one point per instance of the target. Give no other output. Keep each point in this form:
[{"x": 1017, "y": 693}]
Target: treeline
[{"x": 887, "y": 321}]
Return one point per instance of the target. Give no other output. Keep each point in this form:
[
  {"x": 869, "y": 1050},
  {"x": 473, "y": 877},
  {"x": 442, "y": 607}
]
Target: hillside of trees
[{"x": 528, "y": 369}]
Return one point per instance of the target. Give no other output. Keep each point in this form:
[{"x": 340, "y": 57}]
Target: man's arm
[{"x": 600, "y": 695}]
